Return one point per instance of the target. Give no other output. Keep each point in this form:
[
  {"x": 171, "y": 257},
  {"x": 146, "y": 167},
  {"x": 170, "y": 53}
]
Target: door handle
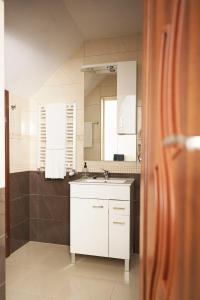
[
  {"x": 97, "y": 206},
  {"x": 190, "y": 143}
]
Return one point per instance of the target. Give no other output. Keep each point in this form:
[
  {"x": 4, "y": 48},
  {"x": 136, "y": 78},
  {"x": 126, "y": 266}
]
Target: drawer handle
[
  {"x": 121, "y": 208},
  {"x": 120, "y": 223},
  {"x": 97, "y": 206}
]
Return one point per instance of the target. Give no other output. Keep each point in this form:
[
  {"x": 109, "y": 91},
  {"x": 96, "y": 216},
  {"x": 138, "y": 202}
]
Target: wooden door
[{"x": 170, "y": 212}]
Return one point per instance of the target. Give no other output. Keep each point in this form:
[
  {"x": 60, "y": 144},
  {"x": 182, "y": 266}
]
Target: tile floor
[{"x": 40, "y": 271}]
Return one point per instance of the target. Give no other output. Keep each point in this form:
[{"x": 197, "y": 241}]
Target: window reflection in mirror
[{"x": 101, "y": 141}]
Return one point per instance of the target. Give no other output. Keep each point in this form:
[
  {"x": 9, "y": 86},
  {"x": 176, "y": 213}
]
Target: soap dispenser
[{"x": 85, "y": 171}]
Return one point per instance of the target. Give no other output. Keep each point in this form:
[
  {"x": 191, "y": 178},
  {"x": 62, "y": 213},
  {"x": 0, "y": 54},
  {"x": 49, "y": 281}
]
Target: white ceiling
[
  {"x": 41, "y": 34},
  {"x": 106, "y": 18}
]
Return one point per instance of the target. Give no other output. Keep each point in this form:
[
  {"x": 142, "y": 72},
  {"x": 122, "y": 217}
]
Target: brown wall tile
[
  {"x": 2, "y": 214},
  {"x": 2, "y": 292},
  {"x": 2, "y": 260},
  {"x": 40, "y": 185},
  {"x": 42, "y": 207},
  {"x": 19, "y": 184},
  {"x": 49, "y": 207},
  {"x": 49, "y": 231},
  {"x": 2, "y": 244},
  {"x": 19, "y": 235},
  {"x": 19, "y": 209}
]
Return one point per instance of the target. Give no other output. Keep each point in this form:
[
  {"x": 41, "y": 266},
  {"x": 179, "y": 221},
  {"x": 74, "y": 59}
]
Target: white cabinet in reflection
[{"x": 126, "y": 97}]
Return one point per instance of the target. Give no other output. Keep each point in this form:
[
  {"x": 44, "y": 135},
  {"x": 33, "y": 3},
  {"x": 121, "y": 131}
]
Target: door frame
[
  {"x": 146, "y": 89},
  {"x": 7, "y": 177}
]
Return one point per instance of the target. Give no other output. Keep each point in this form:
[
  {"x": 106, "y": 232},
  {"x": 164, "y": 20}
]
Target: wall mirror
[{"x": 110, "y": 112}]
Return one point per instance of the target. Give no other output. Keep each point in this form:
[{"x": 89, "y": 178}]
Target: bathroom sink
[
  {"x": 97, "y": 180},
  {"x": 116, "y": 180},
  {"x": 102, "y": 180}
]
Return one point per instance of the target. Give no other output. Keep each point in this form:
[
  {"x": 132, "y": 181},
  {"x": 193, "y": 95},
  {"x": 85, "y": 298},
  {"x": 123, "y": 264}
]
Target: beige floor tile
[
  {"x": 44, "y": 272},
  {"x": 30, "y": 255},
  {"x": 81, "y": 288},
  {"x": 15, "y": 275},
  {"x": 16, "y": 295},
  {"x": 57, "y": 259},
  {"x": 125, "y": 292},
  {"x": 100, "y": 268},
  {"x": 44, "y": 283}
]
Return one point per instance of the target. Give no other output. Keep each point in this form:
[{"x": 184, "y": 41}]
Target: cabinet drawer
[
  {"x": 119, "y": 236},
  {"x": 98, "y": 191},
  {"x": 119, "y": 208}
]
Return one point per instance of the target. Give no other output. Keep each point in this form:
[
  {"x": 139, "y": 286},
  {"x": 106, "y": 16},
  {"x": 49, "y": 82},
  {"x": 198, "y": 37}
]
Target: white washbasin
[
  {"x": 92, "y": 180},
  {"x": 116, "y": 180},
  {"x": 102, "y": 180}
]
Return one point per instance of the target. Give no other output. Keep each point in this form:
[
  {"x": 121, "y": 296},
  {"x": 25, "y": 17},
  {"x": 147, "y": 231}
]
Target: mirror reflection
[{"x": 101, "y": 140}]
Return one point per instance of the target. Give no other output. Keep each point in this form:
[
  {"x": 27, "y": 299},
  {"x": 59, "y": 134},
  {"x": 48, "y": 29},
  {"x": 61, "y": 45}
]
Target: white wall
[
  {"x": 39, "y": 37},
  {"x": 2, "y": 136},
  {"x": 20, "y": 133},
  {"x": 67, "y": 84}
]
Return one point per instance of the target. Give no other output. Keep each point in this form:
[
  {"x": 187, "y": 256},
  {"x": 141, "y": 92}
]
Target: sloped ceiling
[
  {"x": 41, "y": 34},
  {"x": 106, "y": 18}
]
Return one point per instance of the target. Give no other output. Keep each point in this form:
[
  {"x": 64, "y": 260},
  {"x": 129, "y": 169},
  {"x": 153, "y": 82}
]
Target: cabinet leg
[
  {"x": 73, "y": 258},
  {"x": 126, "y": 265}
]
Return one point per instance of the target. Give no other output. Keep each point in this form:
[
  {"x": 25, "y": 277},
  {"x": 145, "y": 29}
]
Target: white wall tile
[{"x": 67, "y": 84}]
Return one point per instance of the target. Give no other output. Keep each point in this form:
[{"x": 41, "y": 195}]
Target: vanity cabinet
[{"x": 100, "y": 220}]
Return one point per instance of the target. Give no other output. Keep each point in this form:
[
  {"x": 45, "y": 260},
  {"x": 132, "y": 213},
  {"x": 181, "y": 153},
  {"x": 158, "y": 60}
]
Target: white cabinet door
[
  {"x": 119, "y": 236},
  {"x": 126, "y": 97},
  {"x": 89, "y": 226}
]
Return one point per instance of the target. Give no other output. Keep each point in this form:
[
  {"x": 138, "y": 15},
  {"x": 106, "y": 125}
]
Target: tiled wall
[
  {"x": 20, "y": 124},
  {"x": 49, "y": 209},
  {"x": 2, "y": 244},
  {"x": 67, "y": 84},
  {"x": 19, "y": 209},
  {"x": 119, "y": 167},
  {"x": 48, "y": 218}
]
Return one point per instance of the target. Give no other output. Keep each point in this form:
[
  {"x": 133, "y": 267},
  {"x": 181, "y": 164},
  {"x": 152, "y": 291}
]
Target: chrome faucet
[{"x": 106, "y": 174}]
